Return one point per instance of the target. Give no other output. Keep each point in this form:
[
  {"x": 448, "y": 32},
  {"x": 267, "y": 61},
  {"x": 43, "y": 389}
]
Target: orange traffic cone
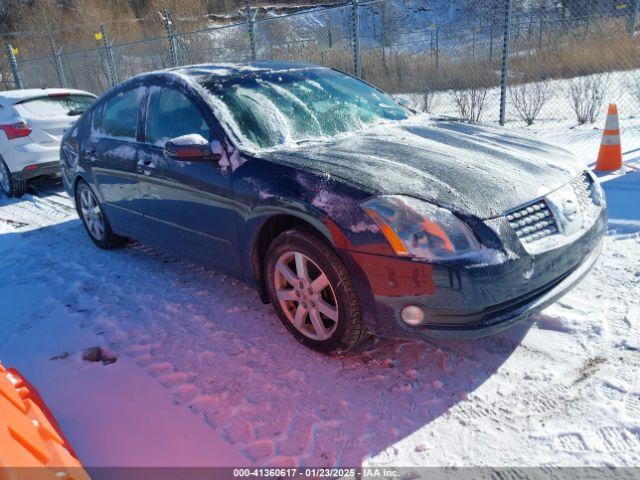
[{"x": 610, "y": 155}]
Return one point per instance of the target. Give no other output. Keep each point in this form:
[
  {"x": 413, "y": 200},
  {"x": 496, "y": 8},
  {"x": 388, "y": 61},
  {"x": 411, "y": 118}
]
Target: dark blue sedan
[{"x": 351, "y": 214}]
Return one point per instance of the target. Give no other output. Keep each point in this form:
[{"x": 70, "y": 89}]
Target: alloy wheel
[
  {"x": 306, "y": 295},
  {"x": 91, "y": 214}
]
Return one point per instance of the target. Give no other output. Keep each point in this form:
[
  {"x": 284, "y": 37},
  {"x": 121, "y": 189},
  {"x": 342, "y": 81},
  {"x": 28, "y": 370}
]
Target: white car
[{"x": 32, "y": 122}]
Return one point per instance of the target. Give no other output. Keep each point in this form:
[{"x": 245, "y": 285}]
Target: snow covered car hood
[{"x": 472, "y": 170}]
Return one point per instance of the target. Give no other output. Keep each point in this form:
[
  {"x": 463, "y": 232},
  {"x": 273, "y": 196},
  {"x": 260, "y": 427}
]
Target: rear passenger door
[
  {"x": 187, "y": 205},
  {"x": 111, "y": 154}
]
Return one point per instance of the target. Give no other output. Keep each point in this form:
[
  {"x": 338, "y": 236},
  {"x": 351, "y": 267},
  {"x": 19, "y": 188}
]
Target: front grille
[{"x": 533, "y": 222}]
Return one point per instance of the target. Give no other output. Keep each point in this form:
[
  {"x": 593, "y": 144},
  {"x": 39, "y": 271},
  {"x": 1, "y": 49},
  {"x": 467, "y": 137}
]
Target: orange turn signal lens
[{"x": 387, "y": 231}]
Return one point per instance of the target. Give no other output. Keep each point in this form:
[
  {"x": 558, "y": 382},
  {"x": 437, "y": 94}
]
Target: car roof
[
  {"x": 209, "y": 71},
  {"x": 200, "y": 74},
  {"x": 11, "y": 97}
]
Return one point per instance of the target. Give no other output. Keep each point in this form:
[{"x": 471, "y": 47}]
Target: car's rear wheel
[
  {"x": 312, "y": 292},
  {"x": 94, "y": 221},
  {"x": 10, "y": 185}
]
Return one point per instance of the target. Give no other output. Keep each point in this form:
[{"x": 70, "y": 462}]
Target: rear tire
[
  {"x": 312, "y": 292},
  {"x": 94, "y": 220},
  {"x": 10, "y": 185},
  {"x": 19, "y": 187}
]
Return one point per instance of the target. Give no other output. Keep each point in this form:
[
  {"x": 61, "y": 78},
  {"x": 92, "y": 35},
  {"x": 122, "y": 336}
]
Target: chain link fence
[{"x": 497, "y": 61}]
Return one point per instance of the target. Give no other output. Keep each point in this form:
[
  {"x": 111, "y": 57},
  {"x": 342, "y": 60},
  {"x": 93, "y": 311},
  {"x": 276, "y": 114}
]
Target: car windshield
[
  {"x": 296, "y": 106},
  {"x": 56, "y": 105}
]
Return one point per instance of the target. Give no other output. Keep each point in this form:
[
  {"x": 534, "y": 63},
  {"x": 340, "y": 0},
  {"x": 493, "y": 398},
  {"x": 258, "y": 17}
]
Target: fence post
[
  {"x": 437, "y": 46},
  {"x": 383, "y": 31},
  {"x": 252, "y": 36},
  {"x": 168, "y": 26},
  {"x": 109, "y": 54},
  {"x": 473, "y": 48},
  {"x": 491, "y": 44},
  {"x": 355, "y": 19},
  {"x": 58, "y": 64},
  {"x": 14, "y": 65},
  {"x": 505, "y": 60},
  {"x": 634, "y": 17}
]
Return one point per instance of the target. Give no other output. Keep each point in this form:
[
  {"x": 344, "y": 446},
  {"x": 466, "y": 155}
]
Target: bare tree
[
  {"x": 470, "y": 103},
  {"x": 429, "y": 96},
  {"x": 429, "y": 101},
  {"x": 586, "y": 95},
  {"x": 632, "y": 84},
  {"x": 529, "y": 98}
]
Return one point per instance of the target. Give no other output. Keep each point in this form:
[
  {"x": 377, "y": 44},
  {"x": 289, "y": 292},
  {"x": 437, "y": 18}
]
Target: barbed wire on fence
[{"x": 479, "y": 53}]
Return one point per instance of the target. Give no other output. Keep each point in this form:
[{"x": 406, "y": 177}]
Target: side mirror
[{"x": 193, "y": 148}]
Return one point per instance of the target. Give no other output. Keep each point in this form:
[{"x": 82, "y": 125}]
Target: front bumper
[
  {"x": 472, "y": 301},
  {"x": 472, "y": 325}
]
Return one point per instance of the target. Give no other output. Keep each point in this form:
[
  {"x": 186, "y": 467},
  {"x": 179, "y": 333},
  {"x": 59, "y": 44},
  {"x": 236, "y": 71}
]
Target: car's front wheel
[
  {"x": 94, "y": 221},
  {"x": 312, "y": 292}
]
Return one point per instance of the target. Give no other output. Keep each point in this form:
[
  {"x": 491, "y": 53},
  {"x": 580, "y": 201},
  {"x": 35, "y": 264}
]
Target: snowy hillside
[{"x": 397, "y": 22}]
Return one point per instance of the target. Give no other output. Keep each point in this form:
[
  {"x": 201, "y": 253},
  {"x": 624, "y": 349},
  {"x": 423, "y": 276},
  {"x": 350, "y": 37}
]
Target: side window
[
  {"x": 170, "y": 114},
  {"x": 120, "y": 114}
]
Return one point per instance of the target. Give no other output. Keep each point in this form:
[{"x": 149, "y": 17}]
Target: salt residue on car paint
[
  {"x": 121, "y": 151},
  {"x": 259, "y": 186},
  {"x": 232, "y": 162},
  {"x": 342, "y": 210}
]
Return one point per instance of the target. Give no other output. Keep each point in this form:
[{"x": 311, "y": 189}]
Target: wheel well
[
  {"x": 270, "y": 230},
  {"x": 76, "y": 181}
]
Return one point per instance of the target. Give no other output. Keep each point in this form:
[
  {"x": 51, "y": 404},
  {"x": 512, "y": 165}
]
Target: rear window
[
  {"x": 55, "y": 106},
  {"x": 120, "y": 114}
]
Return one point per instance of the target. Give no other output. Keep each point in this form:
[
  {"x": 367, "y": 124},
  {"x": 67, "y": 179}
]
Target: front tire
[
  {"x": 312, "y": 292},
  {"x": 94, "y": 220}
]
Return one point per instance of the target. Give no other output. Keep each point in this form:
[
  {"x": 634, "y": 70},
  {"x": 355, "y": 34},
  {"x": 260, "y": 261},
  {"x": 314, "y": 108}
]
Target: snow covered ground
[{"x": 206, "y": 374}]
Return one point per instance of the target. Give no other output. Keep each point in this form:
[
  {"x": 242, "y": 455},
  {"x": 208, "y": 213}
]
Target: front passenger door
[{"x": 187, "y": 205}]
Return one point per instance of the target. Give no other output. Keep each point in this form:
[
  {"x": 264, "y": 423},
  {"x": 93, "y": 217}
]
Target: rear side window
[
  {"x": 120, "y": 114},
  {"x": 170, "y": 114},
  {"x": 53, "y": 106},
  {"x": 96, "y": 118}
]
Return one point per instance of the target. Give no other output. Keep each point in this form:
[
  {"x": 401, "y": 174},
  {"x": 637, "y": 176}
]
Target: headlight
[
  {"x": 598, "y": 195},
  {"x": 416, "y": 228}
]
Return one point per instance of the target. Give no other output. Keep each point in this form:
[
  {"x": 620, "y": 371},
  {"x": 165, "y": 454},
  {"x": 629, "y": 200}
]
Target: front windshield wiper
[{"x": 75, "y": 112}]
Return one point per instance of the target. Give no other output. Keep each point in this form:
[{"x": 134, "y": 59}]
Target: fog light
[{"x": 412, "y": 315}]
